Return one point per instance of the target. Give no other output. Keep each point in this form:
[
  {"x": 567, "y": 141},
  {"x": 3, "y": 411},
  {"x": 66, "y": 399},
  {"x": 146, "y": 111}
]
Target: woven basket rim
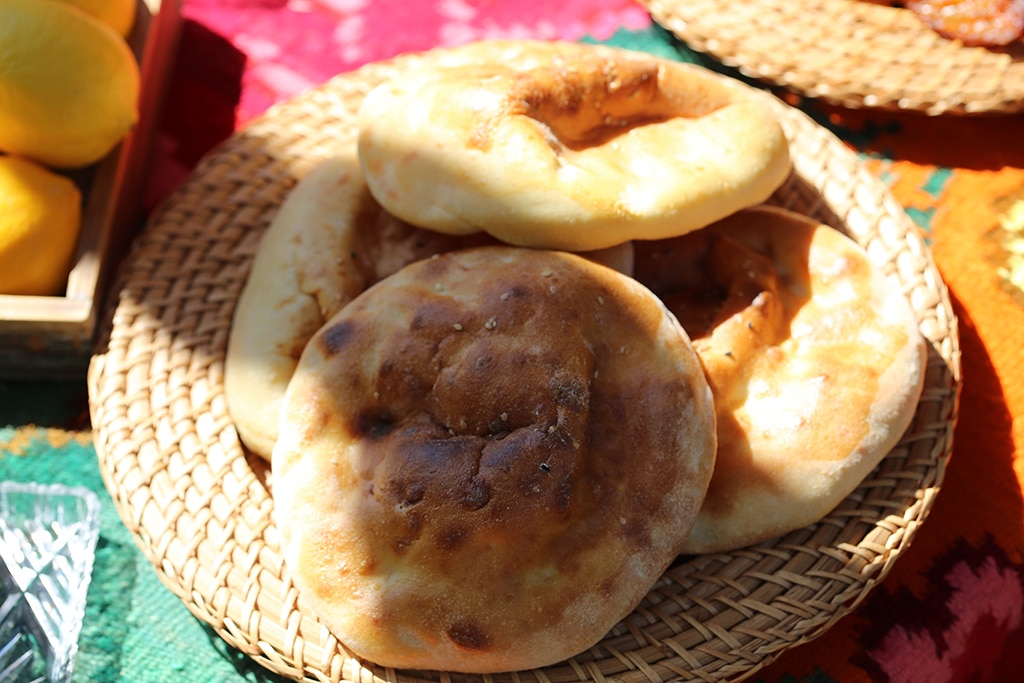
[
  {"x": 851, "y": 53},
  {"x": 200, "y": 511}
]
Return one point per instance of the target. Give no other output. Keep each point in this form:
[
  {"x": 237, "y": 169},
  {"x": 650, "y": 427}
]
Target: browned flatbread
[
  {"x": 329, "y": 242},
  {"x": 566, "y": 146},
  {"x": 814, "y": 358},
  {"x": 487, "y": 459}
]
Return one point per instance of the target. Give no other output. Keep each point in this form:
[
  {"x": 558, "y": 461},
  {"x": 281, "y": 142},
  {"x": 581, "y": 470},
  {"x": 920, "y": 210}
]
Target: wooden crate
[{"x": 52, "y": 337}]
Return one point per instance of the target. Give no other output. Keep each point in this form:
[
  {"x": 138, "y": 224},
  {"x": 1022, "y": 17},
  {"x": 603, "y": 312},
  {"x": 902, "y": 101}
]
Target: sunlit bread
[
  {"x": 487, "y": 459},
  {"x": 566, "y": 146},
  {"x": 814, "y": 357},
  {"x": 329, "y": 242}
]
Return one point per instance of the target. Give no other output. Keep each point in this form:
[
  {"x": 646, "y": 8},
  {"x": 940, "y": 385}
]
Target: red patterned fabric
[{"x": 242, "y": 56}]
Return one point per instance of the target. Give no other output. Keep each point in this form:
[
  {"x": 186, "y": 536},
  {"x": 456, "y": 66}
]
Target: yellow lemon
[
  {"x": 69, "y": 84},
  {"x": 40, "y": 218},
  {"x": 117, "y": 14}
]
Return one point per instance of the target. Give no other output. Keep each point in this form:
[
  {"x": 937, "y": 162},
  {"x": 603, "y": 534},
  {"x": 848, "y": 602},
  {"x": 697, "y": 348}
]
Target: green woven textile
[{"x": 135, "y": 630}]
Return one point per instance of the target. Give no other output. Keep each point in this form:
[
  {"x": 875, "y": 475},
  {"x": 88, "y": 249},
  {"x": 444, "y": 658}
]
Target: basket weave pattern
[
  {"x": 200, "y": 509},
  {"x": 853, "y": 53}
]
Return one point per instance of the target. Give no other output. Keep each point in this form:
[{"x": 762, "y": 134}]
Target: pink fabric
[
  {"x": 294, "y": 45},
  {"x": 240, "y": 57}
]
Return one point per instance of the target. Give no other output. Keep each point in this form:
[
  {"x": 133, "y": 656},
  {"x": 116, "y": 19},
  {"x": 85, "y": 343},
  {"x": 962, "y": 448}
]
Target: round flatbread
[
  {"x": 327, "y": 244},
  {"x": 815, "y": 360},
  {"x": 566, "y": 145},
  {"x": 487, "y": 459}
]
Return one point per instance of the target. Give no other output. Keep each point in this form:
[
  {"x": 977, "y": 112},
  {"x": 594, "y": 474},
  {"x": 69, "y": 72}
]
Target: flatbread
[
  {"x": 566, "y": 146},
  {"x": 487, "y": 459},
  {"x": 329, "y": 242},
  {"x": 815, "y": 360}
]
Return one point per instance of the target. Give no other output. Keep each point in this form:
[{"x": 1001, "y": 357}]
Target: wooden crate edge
[{"x": 52, "y": 337}]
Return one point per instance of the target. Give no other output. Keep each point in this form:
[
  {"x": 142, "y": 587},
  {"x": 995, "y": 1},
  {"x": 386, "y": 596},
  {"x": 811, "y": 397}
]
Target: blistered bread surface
[{"x": 487, "y": 459}]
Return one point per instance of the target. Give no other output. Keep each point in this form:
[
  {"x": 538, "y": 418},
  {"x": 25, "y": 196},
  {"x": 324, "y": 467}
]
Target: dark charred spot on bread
[
  {"x": 498, "y": 428},
  {"x": 468, "y": 635},
  {"x": 414, "y": 521},
  {"x": 501, "y": 456},
  {"x": 432, "y": 313},
  {"x": 334, "y": 339},
  {"x": 410, "y": 492},
  {"x": 452, "y": 537},
  {"x": 409, "y": 530},
  {"x": 515, "y": 292},
  {"x": 433, "y": 455},
  {"x": 432, "y": 469},
  {"x": 372, "y": 424},
  {"x": 477, "y": 494}
]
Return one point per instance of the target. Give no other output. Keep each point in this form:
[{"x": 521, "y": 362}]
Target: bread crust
[
  {"x": 487, "y": 460},
  {"x": 566, "y": 146},
  {"x": 815, "y": 360},
  {"x": 329, "y": 242}
]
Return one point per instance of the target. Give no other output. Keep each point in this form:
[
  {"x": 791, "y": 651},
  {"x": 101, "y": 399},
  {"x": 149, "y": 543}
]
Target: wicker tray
[
  {"x": 854, "y": 53},
  {"x": 201, "y": 512}
]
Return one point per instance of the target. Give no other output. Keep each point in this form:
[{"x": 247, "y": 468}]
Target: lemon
[
  {"x": 40, "y": 218},
  {"x": 69, "y": 84},
  {"x": 117, "y": 14}
]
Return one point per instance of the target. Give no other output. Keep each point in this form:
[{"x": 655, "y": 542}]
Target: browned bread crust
[
  {"x": 487, "y": 459},
  {"x": 329, "y": 242}
]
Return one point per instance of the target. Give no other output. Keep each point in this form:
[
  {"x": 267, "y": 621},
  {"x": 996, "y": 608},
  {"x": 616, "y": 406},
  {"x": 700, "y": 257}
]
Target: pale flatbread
[
  {"x": 566, "y": 145},
  {"x": 814, "y": 358}
]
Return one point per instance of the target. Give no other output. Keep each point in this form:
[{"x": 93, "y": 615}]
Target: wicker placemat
[
  {"x": 854, "y": 53},
  {"x": 201, "y": 512}
]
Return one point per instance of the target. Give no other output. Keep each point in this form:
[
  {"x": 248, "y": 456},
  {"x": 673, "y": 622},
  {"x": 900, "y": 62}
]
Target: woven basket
[
  {"x": 201, "y": 512},
  {"x": 853, "y": 53}
]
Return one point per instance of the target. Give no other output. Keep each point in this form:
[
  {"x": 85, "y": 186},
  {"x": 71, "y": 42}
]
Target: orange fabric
[{"x": 958, "y": 178}]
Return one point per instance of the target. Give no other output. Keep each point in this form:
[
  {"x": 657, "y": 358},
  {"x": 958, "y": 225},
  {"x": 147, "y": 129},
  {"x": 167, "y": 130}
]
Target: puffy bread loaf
[
  {"x": 815, "y": 360},
  {"x": 487, "y": 459},
  {"x": 328, "y": 242},
  {"x": 566, "y": 146}
]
